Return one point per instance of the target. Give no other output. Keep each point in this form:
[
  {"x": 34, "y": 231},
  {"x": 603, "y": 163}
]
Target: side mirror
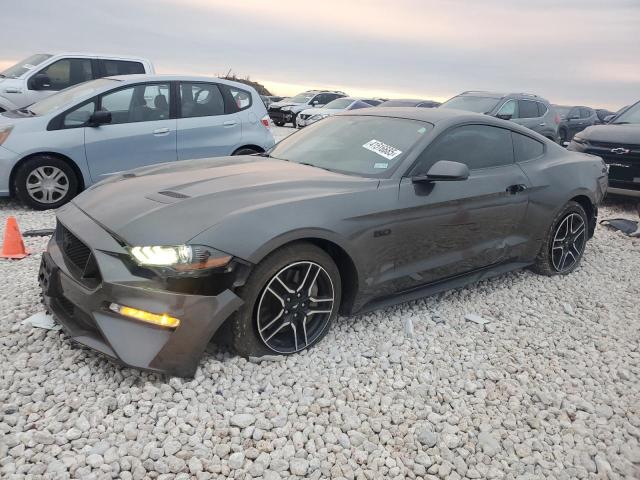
[
  {"x": 99, "y": 117},
  {"x": 444, "y": 170},
  {"x": 504, "y": 116},
  {"x": 41, "y": 82}
]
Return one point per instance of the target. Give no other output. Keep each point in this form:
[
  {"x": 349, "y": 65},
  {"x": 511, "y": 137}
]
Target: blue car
[{"x": 53, "y": 149}]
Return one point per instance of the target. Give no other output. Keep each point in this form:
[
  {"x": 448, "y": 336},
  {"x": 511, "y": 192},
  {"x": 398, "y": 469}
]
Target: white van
[{"x": 44, "y": 74}]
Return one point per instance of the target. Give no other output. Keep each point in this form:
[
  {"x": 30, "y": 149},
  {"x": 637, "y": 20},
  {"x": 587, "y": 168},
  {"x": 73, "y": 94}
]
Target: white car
[
  {"x": 44, "y": 74},
  {"x": 312, "y": 115}
]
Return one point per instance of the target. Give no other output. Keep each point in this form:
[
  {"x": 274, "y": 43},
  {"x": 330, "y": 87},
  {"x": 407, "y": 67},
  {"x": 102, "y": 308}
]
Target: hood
[
  {"x": 322, "y": 111},
  {"x": 284, "y": 104},
  {"x": 627, "y": 134},
  {"x": 171, "y": 203}
]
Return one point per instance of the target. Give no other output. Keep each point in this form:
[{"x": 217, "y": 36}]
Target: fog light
[{"x": 162, "y": 320}]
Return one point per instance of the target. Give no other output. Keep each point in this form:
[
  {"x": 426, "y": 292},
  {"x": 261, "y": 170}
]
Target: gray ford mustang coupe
[{"x": 356, "y": 212}]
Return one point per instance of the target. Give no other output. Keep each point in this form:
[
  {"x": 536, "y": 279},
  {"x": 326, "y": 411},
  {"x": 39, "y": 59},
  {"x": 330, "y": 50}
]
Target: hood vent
[{"x": 171, "y": 194}]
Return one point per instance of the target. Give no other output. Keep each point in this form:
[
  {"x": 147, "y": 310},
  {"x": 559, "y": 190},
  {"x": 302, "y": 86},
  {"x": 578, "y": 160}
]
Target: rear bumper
[{"x": 81, "y": 306}]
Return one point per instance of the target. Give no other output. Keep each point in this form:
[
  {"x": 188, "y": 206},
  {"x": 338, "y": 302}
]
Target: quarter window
[
  {"x": 542, "y": 109},
  {"x": 200, "y": 100},
  {"x": 508, "y": 109},
  {"x": 585, "y": 113},
  {"x": 477, "y": 146},
  {"x": 140, "y": 103},
  {"x": 241, "y": 98},
  {"x": 527, "y": 109},
  {"x": 79, "y": 116},
  {"x": 526, "y": 148},
  {"x": 67, "y": 72}
]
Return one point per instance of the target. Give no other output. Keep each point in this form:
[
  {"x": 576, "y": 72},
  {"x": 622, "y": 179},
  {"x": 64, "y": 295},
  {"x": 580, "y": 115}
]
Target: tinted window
[
  {"x": 574, "y": 113},
  {"x": 585, "y": 112},
  {"x": 359, "y": 145},
  {"x": 340, "y": 103},
  {"x": 79, "y": 116},
  {"x": 477, "y": 146},
  {"x": 67, "y": 72},
  {"x": 542, "y": 109},
  {"x": 140, "y": 103},
  {"x": 527, "y": 109},
  {"x": 122, "y": 67},
  {"x": 200, "y": 100},
  {"x": 525, "y": 147}
]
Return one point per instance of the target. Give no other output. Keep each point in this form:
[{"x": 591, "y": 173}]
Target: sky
[{"x": 571, "y": 52}]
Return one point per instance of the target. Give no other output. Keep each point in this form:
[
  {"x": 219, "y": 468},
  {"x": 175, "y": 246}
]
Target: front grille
[
  {"x": 66, "y": 305},
  {"x": 76, "y": 251}
]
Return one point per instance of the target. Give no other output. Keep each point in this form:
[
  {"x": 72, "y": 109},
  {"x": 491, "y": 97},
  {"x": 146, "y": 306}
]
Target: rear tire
[
  {"x": 44, "y": 182},
  {"x": 279, "y": 124},
  {"x": 312, "y": 277},
  {"x": 564, "y": 245}
]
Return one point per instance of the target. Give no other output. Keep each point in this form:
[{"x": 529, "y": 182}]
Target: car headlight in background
[
  {"x": 4, "y": 132},
  {"x": 180, "y": 257}
]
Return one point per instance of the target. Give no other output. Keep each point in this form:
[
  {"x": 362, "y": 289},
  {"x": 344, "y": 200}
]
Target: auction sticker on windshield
[{"x": 382, "y": 149}]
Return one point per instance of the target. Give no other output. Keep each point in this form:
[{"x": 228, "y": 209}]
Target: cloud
[{"x": 570, "y": 52}]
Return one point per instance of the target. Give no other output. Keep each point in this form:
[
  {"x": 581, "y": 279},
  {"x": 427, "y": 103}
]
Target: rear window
[
  {"x": 526, "y": 148},
  {"x": 122, "y": 67},
  {"x": 472, "y": 103},
  {"x": 528, "y": 109}
]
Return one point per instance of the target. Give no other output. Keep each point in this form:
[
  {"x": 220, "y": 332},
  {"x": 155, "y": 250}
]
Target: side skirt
[{"x": 442, "y": 285}]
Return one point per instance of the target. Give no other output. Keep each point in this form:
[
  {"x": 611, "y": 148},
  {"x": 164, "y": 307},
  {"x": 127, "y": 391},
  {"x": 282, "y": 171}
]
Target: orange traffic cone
[{"x": 13, "y": 246}]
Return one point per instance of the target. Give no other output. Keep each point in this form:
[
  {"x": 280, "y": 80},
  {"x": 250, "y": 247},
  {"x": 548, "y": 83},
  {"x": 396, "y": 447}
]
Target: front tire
[
  {"x": 290, "y": 300},
  {"x": 44, "y": 182},
  {"x": 246, "y": 151},
  {"x": 565, "y": 243}
]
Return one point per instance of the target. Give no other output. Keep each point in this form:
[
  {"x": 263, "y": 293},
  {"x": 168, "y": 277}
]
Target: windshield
[
  {"x": 339, "y": 103},
  {"x": 562, "y": 110},
  {"x": 302, "y": 98},
  {"x": 64, "y": 97},
  {"x": 400, "y": 103},
  {"x": 631, "y": 115},
  {"x": 25, "y": 65},
  {"x": 356, "y": 145},
  {"x": 472, "y": 103}
]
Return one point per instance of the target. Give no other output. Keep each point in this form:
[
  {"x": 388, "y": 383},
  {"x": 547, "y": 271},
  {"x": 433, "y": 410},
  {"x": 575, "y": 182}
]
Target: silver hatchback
[{"x": 55, "y": 148}]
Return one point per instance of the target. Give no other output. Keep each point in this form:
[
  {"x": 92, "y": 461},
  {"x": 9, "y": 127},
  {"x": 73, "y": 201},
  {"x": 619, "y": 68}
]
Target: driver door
[{"x": 454, "y": 227}]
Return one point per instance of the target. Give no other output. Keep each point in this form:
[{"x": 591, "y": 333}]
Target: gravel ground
[{"x": 549, "y": 389}]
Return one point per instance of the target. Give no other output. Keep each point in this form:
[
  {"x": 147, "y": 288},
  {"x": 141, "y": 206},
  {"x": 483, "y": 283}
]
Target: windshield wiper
[
  {"x": 27, "y": 111},
  {"x": 316, "y": 166},
  {"x": 620, "y": 123}
]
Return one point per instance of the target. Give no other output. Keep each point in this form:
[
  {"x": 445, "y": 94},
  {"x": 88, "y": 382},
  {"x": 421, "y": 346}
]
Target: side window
[
  {"x": 507, "y": 110},
  {"x": 573, "y": 113},
  {"x": 140, "y": 103},
  {"x": 542, "y": 109},
  {"x": 242, "y": 98},
  {"x": 477, "y": 146},
  {"x": 79, "y": 116},
  {"x": 122, "y": 67},
  {"x": 67, "y": 72},
  {"x": 585, "y": 112},
  {"x": 319, "y": 99},
  {"x": 527, "y": 109},
  {"x": 526, "y": 148},
  {"x": 200, "y": 100}
]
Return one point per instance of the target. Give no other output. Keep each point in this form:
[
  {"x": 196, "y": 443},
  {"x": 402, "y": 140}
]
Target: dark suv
[
  {"x": 525, "y": 109},
  {"x": 574, "y": 120},
  {"x": 618, "y": 143}
]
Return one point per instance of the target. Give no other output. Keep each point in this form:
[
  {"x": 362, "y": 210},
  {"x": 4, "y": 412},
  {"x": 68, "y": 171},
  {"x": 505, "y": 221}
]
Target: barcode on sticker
[{"x": 382, "y": 149}]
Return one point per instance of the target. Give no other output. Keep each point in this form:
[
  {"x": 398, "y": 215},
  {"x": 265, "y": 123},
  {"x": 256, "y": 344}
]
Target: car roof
[
  {"x": 484, "y": 93},
  {"x": 439, "y": 115},
  {"x": 99, "y": 55},
  {"x": 172, "y": 77}
]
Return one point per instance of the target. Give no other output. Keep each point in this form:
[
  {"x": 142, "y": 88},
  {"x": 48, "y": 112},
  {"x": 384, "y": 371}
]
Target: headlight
[
  {"x": 286, "y": 109},
  {"x": 180, "y": 257},
  {"x": 4, "y": 132},
  {"x": 580, "y": 140},
  {"x": 319, "y": 116}
]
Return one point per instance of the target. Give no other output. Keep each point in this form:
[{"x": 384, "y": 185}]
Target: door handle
[
  {"x": 513, "y": 189},
  {"x": 230, "y": 123},
  {"x": 160, "y": 131},
  {"x": 542, "y": 124}
]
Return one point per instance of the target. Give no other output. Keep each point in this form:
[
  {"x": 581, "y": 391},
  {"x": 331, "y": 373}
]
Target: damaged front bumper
[{"x": 85, "y": 270}]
